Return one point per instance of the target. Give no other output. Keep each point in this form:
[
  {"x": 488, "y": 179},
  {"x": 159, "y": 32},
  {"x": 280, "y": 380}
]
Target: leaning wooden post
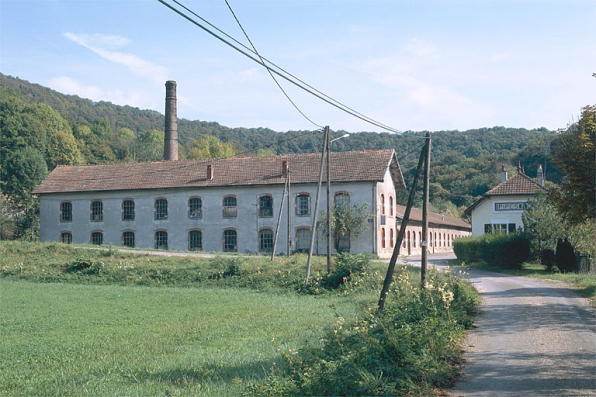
[
  {"x": 424, "y": 259},
  {"x": 400, "y": 236},
  {"x": 313, "y": 230}
]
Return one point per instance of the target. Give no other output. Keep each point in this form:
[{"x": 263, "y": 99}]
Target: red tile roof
[
  {"x": 433, "y": 218},
  {"x": 518, "y": 184},
  {"x": 246, "y": 171}
]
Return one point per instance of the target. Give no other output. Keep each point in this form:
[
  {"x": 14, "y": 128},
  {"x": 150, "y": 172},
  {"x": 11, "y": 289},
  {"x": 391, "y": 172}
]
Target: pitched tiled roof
[
  {"x": 519, "y": 184},
  {"x": 433, "y": 218},
  {"x": 245, "y": 171}
]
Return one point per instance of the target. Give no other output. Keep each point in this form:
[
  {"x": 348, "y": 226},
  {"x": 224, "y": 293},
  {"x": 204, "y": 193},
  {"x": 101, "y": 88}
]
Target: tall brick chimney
[{"x": 170, "y": 145}]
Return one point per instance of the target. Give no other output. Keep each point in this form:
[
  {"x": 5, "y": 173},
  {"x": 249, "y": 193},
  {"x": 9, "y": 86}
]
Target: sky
[{"x": 412, "y": 65}]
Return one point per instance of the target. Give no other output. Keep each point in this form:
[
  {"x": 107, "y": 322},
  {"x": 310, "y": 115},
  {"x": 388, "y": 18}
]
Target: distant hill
[{"x": 465, "y": 164}]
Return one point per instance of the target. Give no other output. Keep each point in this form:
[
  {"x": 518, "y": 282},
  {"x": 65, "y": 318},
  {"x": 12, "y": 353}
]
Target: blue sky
[{"x": 412, "y": 65}]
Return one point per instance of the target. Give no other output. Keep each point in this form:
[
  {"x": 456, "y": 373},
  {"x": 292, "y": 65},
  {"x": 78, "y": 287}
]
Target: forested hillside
[{"x": 42, "y": 128}]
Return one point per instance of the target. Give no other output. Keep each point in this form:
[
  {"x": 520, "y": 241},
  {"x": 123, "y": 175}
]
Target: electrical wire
[
  {"x": 270, "y": 73},
  {"x": 263, "y": 62}
]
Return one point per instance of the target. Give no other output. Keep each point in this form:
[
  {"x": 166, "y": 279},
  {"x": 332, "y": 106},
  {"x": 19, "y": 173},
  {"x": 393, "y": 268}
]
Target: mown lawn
[{"x": 76, "y": 340}]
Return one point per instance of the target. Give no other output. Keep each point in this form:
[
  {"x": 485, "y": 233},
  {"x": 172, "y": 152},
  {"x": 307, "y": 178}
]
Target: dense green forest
[{"x": 42, "y": 128}]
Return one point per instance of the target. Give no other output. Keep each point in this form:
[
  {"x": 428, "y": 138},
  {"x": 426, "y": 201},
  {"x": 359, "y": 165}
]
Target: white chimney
[
  {"x": 503, "y": 173},
  {"x": 540, "y": 175}
]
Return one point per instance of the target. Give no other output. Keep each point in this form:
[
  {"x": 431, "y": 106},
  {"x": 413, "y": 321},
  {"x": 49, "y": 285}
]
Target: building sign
[{"x": 510, "y": 206}]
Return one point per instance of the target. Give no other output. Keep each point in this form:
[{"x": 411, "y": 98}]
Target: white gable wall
[{"x": 487, "y": 213}]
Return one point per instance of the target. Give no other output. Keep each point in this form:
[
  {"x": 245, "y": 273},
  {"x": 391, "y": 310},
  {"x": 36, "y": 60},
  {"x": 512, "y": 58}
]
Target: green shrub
[
  {"x": 346, "y": 266},
  {"x": 409, "y": 349},
  {"x": 565, "y": 256},
  {"x": 508, "y": 251},
  {"x": 547, "y": 258}
]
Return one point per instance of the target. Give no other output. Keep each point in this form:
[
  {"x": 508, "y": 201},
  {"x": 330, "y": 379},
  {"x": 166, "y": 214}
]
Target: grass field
[
  {"x": 75, "y": 340},
  {"x": 76, "y": 321}
]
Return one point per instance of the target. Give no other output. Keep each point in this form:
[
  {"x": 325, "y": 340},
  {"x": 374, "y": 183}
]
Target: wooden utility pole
[
  {"x": 400, "y": 236},
  {"x": 289, "y": 216},
  {"x": 424, "y": 261},
  {"x": 313, "y": 230},
  {"x": 328, "y": 200},
  {"x": 281, "y": 208}
]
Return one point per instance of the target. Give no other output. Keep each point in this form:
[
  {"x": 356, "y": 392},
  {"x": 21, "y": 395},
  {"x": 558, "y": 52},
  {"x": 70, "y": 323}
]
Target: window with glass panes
[
  {"x": 96, "y": 211},
  {"x": 266, "y": 240},
  {"x": 128, "y": 239},
  {"x": 195, "y": 208},
  {"x": 229, "y": 207},
  {"x": 128, "y": 210},
  {"x": 161, "y": 209},
  {"x": 230, "y": 241},
  {"x": 303, "y": 204},
  {"x": 195, "y": 240},
  {"x": 266, "y": 206},
  {"x": 161, "y": 240},
  {"x": 66, "y": 237},
  {"x": 97, "y": 238},
  {"x": 66, "y": 211}
]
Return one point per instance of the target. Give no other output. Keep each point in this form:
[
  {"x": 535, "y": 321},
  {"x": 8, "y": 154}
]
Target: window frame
[
  {"x": 66, "y": 233},
  {"x": 265, "y": 206},
  {"x": 195, "y": 211},
  {"x": 63, "y": 217},
  {"x": 298, "y": 240},
  {"x": 96, "y": 211},
  {"x": 229, "y": 211},
  {"x": 225, "y": 240},
  {"x": 382, "y": 204},
  {"x": 126, "y": 236},
  {"x": 160, "y": 211},
  {"x": 300, "y": 207},
  {"x": 340, "y": 198},
  {"x": 269, "y": 246},
  {"x": 128, "y": 214},
  {"x": 158, "y": 237},
  {"x": 94, "y": 234},
  {"x": 191, "y": 246}
]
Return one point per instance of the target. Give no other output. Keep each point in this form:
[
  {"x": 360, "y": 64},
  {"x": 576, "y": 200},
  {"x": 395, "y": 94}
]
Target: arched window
[
  {"x": 382, "y": 236},
  {"x": 391, "y": 238},
  {"x": 382, "y": 204},
  {"x": 266, "y": 206},
  {"x": 341, "y": 198},
  {"x": 128, "y": 210},
  {"x": 161, "y": 240},
  {"x": 66, "y": 237},
  {"x": 66, "y": 211},
  {"x": 414, "y": 239},
  {"x": 195, "y": 240},
  {"x": 230, "y": 209},
  {"x": 303, "y": 204},
  {"x": 161, "y": 209},
  {"x": 303, "y": 239},
  {"x": 420, "y": 238},
  {"x": 97, "y": 238},
  {"x": 230, "y": 240},
  {"x": 128, "y": 238},
  {"x": 195, "y": 208},
  {"x": 96, "y": 211},
  {"x": 390, "y": 206},
  {"x": 266, "y": 240}
]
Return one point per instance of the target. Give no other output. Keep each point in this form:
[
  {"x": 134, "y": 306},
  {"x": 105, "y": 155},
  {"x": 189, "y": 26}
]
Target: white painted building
[
  {"x": 228, "y": 204},
  {"x": 500, "y": 209}
]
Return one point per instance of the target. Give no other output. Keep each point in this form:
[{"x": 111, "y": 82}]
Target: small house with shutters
[{"x": 500, "y": 209}]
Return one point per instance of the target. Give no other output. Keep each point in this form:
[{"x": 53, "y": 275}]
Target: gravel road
[{"x": 532, "y": 338}]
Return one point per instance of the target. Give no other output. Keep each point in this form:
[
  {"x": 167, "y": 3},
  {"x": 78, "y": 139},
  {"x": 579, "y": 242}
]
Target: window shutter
[
  {"x": 488, "y": 228},
  {"x": 511, "y": 228}
]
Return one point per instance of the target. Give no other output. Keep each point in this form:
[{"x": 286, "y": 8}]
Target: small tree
[
  {"x": 542, "y": 223},
  {"x": 346, "y": 220}
]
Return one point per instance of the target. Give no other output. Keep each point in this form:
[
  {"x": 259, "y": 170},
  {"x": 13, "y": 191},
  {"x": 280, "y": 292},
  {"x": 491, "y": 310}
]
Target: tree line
[{"x": 42, "y": 128}]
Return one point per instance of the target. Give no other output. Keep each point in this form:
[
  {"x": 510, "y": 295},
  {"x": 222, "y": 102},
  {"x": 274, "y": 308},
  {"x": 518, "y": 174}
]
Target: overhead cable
[{"x": 264, "y": 62}]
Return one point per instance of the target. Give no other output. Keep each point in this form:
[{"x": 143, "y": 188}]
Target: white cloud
[{"x": 139, "y": 66}]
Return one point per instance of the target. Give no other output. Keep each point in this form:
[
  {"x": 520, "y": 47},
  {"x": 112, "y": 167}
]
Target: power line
[
  {"x": 270, "y": 73},
  {"x": 263, "y": 62}
]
